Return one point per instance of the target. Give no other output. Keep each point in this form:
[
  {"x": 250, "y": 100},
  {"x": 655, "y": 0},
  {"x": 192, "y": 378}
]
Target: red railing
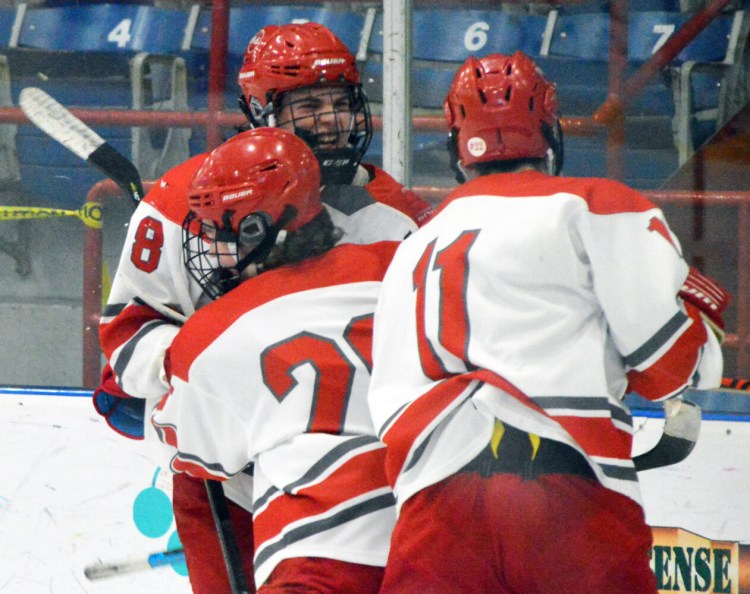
[
  {"x": 738, "y": 339},
  {"x": 608, "y": 118}
]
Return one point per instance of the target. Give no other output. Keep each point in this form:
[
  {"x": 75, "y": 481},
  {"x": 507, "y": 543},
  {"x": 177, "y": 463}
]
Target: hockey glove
[
  {"x": 124, "y": 415},
  {"x": 705, "y": 293}
]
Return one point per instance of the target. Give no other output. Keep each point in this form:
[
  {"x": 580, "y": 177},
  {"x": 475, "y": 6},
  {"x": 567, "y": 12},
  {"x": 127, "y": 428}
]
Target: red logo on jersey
[{"x": 659, "y": 227}]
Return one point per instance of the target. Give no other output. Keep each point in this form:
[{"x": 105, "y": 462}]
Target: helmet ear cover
[
  {"x": 556, "y": 153},
  {"x": 256, "y": 235}
]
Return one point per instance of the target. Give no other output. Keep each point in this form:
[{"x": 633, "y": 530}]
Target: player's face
[
  {"x": 323, "y": 111},
  {"x": 224, "y": 252}
]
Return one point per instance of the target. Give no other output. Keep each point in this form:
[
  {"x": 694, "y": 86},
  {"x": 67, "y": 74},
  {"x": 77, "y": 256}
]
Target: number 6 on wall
[{"x": 475, "y": 37}]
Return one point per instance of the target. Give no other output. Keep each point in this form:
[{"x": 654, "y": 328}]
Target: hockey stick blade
[
  {"x": 99, "y": 571},
  {"x": 669, "y": 450},
  {"x": 681, "y": 428},
  {"x": 56, "y": 120}
]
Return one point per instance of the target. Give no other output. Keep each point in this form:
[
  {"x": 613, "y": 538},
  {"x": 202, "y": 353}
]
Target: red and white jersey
[
  {"x": 150, "y": 275},
  {"x": 275, "y": 373},
  {"x": 537, "y": 300},
  {"x": 151, "y": 280}
]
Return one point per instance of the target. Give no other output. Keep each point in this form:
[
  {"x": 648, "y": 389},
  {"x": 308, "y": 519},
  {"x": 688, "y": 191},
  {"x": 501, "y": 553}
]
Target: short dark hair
[
  {"x": 311, "y": 240},
  {"x": 508, "y": 166}
]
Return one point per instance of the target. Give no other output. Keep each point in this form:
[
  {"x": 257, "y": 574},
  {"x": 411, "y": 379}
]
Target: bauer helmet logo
[
  {"x": 236, "y": 195},
  {"x": 476, "y": 146},
  {"x": 323, "y": 62}
]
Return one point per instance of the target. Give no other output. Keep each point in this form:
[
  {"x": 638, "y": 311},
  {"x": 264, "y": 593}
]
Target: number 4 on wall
[{"x": 121, "y": 33}]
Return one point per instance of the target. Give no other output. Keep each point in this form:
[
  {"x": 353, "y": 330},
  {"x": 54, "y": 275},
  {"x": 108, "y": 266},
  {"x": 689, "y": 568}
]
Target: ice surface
[{"x": 69, "y": 484}]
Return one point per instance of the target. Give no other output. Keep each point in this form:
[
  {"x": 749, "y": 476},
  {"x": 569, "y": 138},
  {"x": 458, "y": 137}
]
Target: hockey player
[
  {"x": 508, "y": 329},
  {"x": 152, "y": 292},
  {"x": 274, "y": 374}
]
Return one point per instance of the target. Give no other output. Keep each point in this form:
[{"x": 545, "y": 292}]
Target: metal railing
[
  {"x": 737, "y": 339},
  {"x": 608, "y": 118}
]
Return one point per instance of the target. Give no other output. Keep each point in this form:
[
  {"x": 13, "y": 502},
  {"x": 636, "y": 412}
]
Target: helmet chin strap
[
  {"x": 462, "y": 173},
  {"x": 549, "y": 159},
  {"x": 274, "y": 235},
  {"x": 337, "y": 166}
]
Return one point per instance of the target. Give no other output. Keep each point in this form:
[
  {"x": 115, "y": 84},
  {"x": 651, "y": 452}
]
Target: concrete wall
[{"x": 41, "y": 295}]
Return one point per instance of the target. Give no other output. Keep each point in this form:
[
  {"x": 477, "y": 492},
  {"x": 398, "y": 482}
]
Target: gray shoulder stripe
[
  {"x": 112, "y": 310},
  {"x": 261, "y": 501},
  {"x": 173, "y": 306},
  {"x": 573, "y": 402}
]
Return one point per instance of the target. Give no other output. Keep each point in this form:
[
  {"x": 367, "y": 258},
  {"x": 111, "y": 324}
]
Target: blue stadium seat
[
  {"x": 84, "y": 57},
  {"x": 578, "y": 61},
  {"x": 648, "y": 31},
  {"x": 474, "y": 32},
  {"x": 244, "y": 22},
  {"x": 444, "y": 38},
  {"x": 104, "y": 28},
  {"x": 7, "y": 18}
]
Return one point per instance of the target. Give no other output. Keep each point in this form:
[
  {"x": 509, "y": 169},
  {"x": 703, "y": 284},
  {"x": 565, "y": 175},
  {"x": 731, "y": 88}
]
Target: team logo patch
[{"x": 476, "y": 146}]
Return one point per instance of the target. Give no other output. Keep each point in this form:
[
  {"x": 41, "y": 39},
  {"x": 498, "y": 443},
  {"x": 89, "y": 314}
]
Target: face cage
[
  {"x": 202, "y": 265},
  {"x": 352, "y": 132}
]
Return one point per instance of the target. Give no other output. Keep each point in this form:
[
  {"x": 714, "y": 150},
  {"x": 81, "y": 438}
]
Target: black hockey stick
[
  {"x": 55, "y": 120},
  {"x": 225, "y": 531},
  {"x": 682, "y": 421}
]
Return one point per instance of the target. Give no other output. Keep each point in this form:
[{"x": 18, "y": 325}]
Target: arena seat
[
  {"x": 709, "y": 83},
  {"x": 438, "y": 49},
  {"x": 578, "y": 61},
  {"x": 442, "y": 40},
  {"x": 244, "y": 22},
  {"x": 99, "y": 56}
]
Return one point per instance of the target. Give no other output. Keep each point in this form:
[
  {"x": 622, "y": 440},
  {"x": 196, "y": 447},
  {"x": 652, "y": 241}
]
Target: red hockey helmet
[
  {"x": 284, "y": 57},
  {"x": 502, "y": 108},
  {"x": 247, "y": 190},
  {"x": 303, "y": 78}
]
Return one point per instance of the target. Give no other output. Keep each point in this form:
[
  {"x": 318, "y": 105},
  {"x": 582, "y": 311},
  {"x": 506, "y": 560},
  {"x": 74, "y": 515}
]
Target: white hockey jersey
[
  {"x": 275, "y": 374},
  {"x": 536, "y": 300},
  {"x": 152, "y": 293}
]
